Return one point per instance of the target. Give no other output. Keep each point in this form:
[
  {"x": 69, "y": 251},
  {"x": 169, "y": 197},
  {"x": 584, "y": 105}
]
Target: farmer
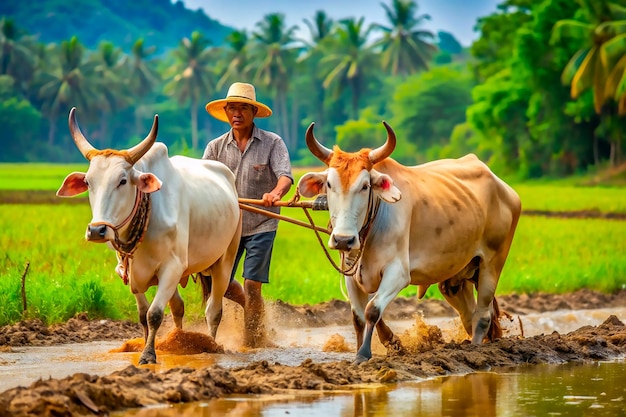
[{"x": 260, "y": 161}]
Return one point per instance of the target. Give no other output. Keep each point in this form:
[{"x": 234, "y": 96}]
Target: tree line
[{"x": 540, "y": 92}]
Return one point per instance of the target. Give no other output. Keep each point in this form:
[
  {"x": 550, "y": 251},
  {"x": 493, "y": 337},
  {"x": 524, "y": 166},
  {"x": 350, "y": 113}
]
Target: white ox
[
  {"x": 192, "y": 224},
  {"x": 448, "y": 222}
]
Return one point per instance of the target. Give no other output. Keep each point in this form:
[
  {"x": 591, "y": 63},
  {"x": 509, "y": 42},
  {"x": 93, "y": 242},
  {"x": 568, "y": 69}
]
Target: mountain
[{"x": 160, "y": 22}]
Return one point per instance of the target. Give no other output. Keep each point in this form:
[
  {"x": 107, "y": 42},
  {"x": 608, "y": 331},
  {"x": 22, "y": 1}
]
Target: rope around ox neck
[{"x": 138, "y": 224}]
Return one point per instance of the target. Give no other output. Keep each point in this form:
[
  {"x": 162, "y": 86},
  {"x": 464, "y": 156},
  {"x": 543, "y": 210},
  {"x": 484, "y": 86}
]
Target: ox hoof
[
  {"x": 147, "y": 358},
  {"x": 360, "y": 359},
  {"x": 394, "y": 347}
]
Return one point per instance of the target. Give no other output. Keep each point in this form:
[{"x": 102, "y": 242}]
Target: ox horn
[
  {"x": 386, "y": 149},
  {"x": 320, "y": 151},
  {"x": 79, "y": 139},
  {"x": 136, "y": 152}
]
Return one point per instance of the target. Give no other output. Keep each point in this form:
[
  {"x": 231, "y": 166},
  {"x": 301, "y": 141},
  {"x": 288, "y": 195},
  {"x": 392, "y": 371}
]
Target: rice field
[{"x": 67, "y": 275}]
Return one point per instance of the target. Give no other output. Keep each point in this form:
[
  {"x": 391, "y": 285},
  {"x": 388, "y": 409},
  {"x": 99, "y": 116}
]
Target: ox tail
[
  {"x": 495, "y": 329},
  {"x": 207, "y": 282}
]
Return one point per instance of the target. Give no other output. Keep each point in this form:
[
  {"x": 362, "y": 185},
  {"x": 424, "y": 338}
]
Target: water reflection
[{"x": 596, "y": 389}]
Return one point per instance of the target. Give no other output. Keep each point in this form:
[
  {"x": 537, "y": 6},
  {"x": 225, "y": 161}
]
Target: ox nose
[
  {"x": 343, "y": 242},
  {"x": 96, "y": 232}
]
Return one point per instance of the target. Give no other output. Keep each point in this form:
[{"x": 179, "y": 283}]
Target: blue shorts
[{"x": 256, "y": 264}]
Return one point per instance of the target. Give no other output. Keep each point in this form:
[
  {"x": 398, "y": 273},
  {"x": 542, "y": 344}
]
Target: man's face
[{"x": 240, "y": 115}]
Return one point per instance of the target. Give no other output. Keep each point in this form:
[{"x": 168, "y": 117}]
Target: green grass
[
  {"x": 69, "y": 275},
  {"x": 553, "y": 197},
  {"x": 36, "y": 176}
]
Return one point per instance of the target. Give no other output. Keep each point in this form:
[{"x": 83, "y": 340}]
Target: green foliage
[
  {"x": 426, "y": 107},
  {"x": 367, "y": 132},
  {"x": 406, "y": 48},
  {"x": 521, "y": 118},
  {"x": 22, "y": 120},
  {"x": 463, "y": 140}
]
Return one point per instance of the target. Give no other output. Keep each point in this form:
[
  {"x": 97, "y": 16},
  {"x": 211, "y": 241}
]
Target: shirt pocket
[{"x": 260, "y": 171}]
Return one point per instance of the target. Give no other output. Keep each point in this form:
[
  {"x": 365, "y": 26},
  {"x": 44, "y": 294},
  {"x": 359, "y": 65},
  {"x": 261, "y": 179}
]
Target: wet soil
[{"x": 430, "y": 355}]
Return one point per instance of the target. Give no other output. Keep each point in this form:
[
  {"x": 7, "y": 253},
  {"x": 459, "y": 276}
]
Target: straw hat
[{"x": 237, "y": 93}]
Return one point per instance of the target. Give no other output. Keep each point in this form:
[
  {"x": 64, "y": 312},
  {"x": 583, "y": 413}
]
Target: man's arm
[{"x": 282, "y": 187}]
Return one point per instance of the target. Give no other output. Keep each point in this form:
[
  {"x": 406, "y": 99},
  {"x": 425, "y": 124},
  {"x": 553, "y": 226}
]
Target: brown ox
[{"x": 448, "y": 222}]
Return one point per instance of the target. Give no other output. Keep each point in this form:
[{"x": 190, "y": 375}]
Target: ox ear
[
  {"x": 312, "y": 184},
  {"x": 148, "y": 183},
  {"x": 383, "y": 185},
  {"x": 73, "y": 184}
]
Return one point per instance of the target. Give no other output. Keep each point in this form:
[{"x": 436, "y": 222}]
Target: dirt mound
[
  {"x": 83, "y": 394},
  {"x": 78, "y": 329}
]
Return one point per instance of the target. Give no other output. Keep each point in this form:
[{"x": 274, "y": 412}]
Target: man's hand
[{"x": 270, "y": 198}]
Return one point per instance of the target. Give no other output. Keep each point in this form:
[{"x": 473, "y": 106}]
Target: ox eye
[
  {"x": 328, "y": 184},
  {"x": 365, "y": 187},
  {"x": 122, "y": 182}
]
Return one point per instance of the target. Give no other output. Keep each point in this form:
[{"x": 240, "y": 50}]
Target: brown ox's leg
[
  {"x": 177, "y": 306},
  {"x": 484, "y": 313},
  {"x": 387, "y": 338},
  {"x": 461, "y": 298},
  {"x": 395, "y": 278}
]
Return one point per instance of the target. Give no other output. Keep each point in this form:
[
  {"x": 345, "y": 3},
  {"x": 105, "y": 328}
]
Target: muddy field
[{"x": 428, "y": 353}]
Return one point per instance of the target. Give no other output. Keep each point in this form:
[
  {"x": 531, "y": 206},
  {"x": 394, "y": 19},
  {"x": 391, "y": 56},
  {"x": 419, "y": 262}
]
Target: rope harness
[
  {"x": 137, "y": 222},
  {"x": 349, "y": 264}
]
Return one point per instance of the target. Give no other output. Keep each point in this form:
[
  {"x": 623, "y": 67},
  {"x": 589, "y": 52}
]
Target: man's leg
[
  {"x": 254, "y": 314},
  {"x": 256, "y": 269}
]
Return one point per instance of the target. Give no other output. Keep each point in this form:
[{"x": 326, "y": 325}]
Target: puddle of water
[{"x": 597, "y": 389}]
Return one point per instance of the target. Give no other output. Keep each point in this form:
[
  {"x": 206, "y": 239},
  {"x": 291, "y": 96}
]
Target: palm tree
[
  {"x": 141, "y": 78},
  {"x": 320, "y": 29},
  {"x": 191, "y": 77},
  {"x": 68, "y": 82},
  {"x": 603, "y": 38},
  {"x": 111, "y": 75},
  {"x": 17, "y": 57},
  {"x": 236, "y": 58},
  {"x": 274, "y": 55},
  {"x": 349, "y": 59},
  {"x": 405, "y": 48}
]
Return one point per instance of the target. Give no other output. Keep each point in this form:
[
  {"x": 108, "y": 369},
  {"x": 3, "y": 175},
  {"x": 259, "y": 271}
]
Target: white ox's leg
[
  {"x": 395, "y": 278},
  {"x": 169, "y": 276},
  {"x": 142, "y": 311}
]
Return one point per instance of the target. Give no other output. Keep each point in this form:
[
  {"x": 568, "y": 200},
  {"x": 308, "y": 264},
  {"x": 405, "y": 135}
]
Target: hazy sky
[{"x": 455, "y": 16}]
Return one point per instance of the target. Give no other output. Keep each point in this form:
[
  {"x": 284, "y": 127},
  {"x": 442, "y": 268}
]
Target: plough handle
[{"x": 319, "y": 203}]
